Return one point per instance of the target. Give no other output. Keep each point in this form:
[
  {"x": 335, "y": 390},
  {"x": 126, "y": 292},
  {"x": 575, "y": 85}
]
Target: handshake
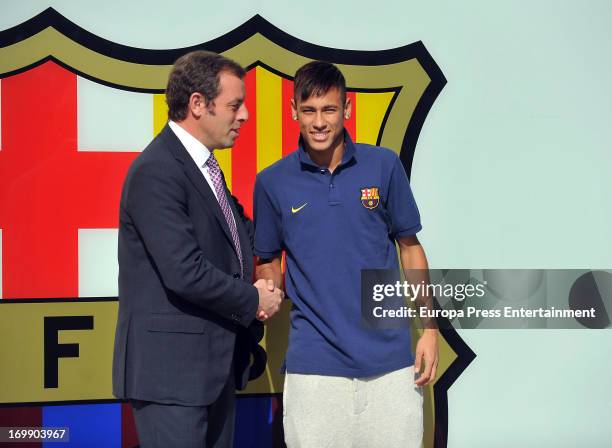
[{"x": 270, "y": 299}]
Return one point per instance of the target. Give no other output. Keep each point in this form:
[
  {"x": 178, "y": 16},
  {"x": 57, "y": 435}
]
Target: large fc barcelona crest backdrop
[{"x": 76, "y": 109}]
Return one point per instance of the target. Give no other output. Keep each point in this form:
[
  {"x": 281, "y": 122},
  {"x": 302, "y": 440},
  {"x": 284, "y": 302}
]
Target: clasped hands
[{"x": 270, "y": 299}]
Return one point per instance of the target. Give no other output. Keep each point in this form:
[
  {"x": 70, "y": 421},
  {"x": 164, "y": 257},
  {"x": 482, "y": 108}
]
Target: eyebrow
[{"x": 326, "y": 106}]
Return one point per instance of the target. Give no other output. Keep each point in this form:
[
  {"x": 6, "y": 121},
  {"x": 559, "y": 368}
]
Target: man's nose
[
  {"x": 243, "y": 113},
  {"x": 319, "y": 122}
]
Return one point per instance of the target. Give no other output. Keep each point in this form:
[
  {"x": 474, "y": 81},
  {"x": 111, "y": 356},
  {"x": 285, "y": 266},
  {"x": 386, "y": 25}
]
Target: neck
[
  {"x": 192, "y": 127},
  {"x": 329, "y": 158}
]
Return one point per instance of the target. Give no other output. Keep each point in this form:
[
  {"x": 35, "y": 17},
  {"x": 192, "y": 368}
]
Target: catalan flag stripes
[{"x": 271, "y": 133}]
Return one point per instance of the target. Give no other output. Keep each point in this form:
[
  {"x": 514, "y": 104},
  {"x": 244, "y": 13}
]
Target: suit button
[
  {"x": 235, "y": 317},
  {"x": 236, "y": 275}
]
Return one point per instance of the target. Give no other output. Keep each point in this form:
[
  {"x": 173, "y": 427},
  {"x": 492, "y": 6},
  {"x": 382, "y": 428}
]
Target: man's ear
[
  {"x": 348, "y": 106},
  {"x": 293, "y": 109},
  {"x": 197, "y": 104}
]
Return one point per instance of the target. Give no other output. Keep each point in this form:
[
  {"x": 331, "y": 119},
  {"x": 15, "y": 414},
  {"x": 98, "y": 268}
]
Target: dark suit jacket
[{"x": 182, "y": 303}]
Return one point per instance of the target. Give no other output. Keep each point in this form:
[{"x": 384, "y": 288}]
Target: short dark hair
[
  {"x": 197, "y": 71},
  {"x": 317, "y": 78}
]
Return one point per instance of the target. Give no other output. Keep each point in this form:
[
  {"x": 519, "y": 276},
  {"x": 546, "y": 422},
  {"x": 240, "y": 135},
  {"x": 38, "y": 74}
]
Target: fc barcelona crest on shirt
[{"x": 370, "y": 198}]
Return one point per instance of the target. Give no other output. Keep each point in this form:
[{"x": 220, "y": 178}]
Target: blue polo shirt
[{"x": 333, "y": 225}]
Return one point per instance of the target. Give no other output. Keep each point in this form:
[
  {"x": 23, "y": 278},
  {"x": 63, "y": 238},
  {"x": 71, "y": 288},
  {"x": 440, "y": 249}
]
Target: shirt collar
[
  {"x": 198, "y": 152},
  {"x": 349, "y": 152}
]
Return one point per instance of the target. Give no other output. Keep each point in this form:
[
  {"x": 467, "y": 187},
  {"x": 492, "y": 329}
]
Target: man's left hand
[{"x": 426, "y": 357}]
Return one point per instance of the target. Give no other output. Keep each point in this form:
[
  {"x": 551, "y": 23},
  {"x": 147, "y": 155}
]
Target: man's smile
[{"x": 319, "y": 135}]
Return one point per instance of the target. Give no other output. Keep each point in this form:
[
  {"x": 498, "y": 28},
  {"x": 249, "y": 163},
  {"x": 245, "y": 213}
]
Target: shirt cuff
[
  {"x": 408, "y": 232},
  {"x": 266, "y": 255}
]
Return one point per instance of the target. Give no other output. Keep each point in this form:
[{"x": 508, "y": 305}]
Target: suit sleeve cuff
[{"x": 251, "y": 309}]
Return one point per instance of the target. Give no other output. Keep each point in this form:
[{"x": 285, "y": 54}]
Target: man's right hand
[{"x": 270, "y": 299}]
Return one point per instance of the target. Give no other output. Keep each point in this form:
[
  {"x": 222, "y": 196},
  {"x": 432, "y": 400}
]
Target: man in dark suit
[{"x": 185, "y": 267}]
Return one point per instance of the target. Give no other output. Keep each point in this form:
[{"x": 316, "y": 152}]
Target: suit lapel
[
  {"x": 245, "y": 242},
  {"x": 196, "y": 177}
]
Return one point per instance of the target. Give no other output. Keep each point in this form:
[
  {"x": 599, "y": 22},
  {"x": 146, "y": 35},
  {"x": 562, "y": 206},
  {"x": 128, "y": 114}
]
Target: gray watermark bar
[{"x": 487, "y": 298}]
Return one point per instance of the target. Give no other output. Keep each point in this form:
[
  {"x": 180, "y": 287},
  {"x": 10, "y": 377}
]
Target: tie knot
[{"x": 212, "y": 161}]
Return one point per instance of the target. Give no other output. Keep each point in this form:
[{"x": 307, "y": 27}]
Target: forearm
[
  {"x": 414, "y": 264},
  {"x": 270, "y": 269},
  {"x": 412, "y": 254},
  {"x": 214, "y": 290}
]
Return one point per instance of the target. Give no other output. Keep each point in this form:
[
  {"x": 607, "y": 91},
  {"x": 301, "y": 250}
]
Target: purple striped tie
[{"x": 217, "y": 180}]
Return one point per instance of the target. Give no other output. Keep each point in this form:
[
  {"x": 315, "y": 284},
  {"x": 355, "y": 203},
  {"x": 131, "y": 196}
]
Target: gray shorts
[{"x": 330, "y": 411}]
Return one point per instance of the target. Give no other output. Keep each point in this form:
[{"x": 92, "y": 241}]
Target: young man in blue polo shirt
[{"x": 337, "y": 207}]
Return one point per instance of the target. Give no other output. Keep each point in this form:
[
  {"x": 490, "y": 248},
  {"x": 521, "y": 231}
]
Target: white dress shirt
[{"x": 198, "y": 152}]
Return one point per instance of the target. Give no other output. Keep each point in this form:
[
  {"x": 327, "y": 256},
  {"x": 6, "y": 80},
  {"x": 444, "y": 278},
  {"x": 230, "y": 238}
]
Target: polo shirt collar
[{"x": 349, "y": 153}]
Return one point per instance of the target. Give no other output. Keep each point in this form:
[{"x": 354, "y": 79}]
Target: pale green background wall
[{"x": 513, "y": 169}]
